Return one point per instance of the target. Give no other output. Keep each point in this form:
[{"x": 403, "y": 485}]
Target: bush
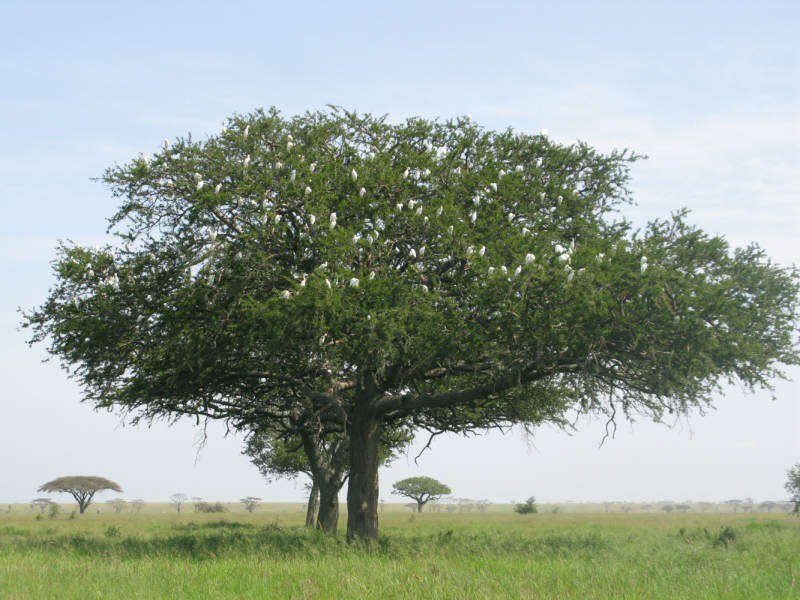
[
  {"x": 53, "y": 511},
  {"x": 528, "y": 508}
]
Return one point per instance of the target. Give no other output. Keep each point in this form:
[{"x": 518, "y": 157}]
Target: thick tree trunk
[
  {"x": 313, "y": 502},
  {"x": 328, "y": 519},
  {"x": 420, "y": 504},
  {"x": 362, "y": 490}
]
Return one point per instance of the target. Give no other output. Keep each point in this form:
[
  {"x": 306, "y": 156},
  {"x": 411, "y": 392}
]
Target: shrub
[{"x": 528, "y": 508}]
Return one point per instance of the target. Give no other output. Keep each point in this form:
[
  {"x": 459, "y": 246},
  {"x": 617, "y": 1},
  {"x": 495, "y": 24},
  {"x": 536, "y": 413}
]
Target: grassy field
[{"x": 437, "y": 555}]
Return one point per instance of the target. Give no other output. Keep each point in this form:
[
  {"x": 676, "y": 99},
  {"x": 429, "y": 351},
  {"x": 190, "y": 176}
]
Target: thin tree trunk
[
  {"x": 362, "y": 489},
  {"x": 313, "y": 502},
  {"x": 328, "y": 519}
]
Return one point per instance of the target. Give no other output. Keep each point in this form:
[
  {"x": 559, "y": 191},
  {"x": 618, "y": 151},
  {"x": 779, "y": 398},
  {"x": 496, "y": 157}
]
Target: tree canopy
[
  {"x": 793, "y": 486},
  {"x": 82, "y": 488},
  {"x": 337, "y": 273},
  {"x": 420, "y": 489}
]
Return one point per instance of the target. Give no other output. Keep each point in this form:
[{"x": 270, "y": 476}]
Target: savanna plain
[{"x": 497, "y": 554}]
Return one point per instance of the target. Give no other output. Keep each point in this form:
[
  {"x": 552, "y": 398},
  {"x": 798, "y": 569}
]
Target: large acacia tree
[{"x": 336, "y": 268}]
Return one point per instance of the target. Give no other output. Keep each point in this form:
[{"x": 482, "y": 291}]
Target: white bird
[
  {"x": 482, "y": 251},
  {"x": 518, "y": 168},
  {"x": 570, "y": 276},
  {"x": 450, "y": 230},
  {"x": 399, "y": 206},
  {"x": 511, "y": 217},
  {"x": 247, "y": 131},
  {"x": 560, "y": 249},
  {"x": 567, "y": 268},
  {"x": 572, "y": 246},
  {"x": 643, "y": 259},
  {"x": 239, "y": 202},
  {"x": 354, "y": 175},
  {"x": 293, "y": 175},
  {"x": 147, "y": 161},
  {"x": 600, "y": 257},
  {"x": 491, "y": 270},
  {"x": 476, "y": 200},
  {"x": 439, "y": 211},
  {"x": 422, "y": 251},
  {"x": 517, "y": 271},
  {"x": 370, "y": 239},
  {"x": 493, "y": 186},
  {"x": 503, "y": 269},
  {"x": 217, "y": 188},
  {"x": 277, "y": 219},
  {"x": 538, "y": 162},
  {"x": 411, "y": 204},
  {"x": 371, "y": 155},
  {"x": 200, "y": 185},
  {"x": 559, "y": 199},
  {"x": 525, "y": 231},
  {"x": 354, "y": 282},
  {"x": 286, "y": 294},
  {"x": 372, "y": 276},
  {"x": 333, "y": 217},
  {"x": 289, "y": 146},
  {"x": 500, "y": 174},
  {"x": 424, "y": 288},
  {"x": 264, "y": 219},
  {"x": 643, "y": 267},
  {"x": 333, "y": 225},
  {"x": 541, "y": 195},
  {"x": 127, "y": 247},
  {"x": 197, "y": 177},
  {"x": 361, "y": 192},
  {"x": 355, "y": 239},
  {"x": 429, "y": 146},
  {"x": 563, "y": 258},
  {"x": 303, "y": 283},
  {"x": 312, "y": 166},
  {"x": 289, "y": 137},
  {"x": 90, "y": 273},
  {"x": 166, "y": 144},
  {"x": 469, "y": 117},
  {"x": 328, "y": 283},
  {"x": 246, "y": 160},
  {"x": 238, "y": 256},
  {"x": 426, "y": 172},
  {"x": 425, "y": 220},
  {"x": 212, "y": 234},
  {"x": 412, "y": 253},
  {"x": 279, "y": 165},
  {"x": 375, "y": 233},
  {"x": 307, "y": 190},
  {"x": 112, "y": 255},
  {"x": 470, "y": 250},
  {"x": 405, "y": 173},
  {"x": 473, "y": 216},
  {"x": 419, "y": 211},
  {"x": 324, "y": 265},
  {"x": 322, "y": 339},
  {"x": 544, "y": 132},
  {"x": 580, "y": 271},
  {"x": 211, "y": 279},
  {"x": 458, "y": 170},
  {"x": 529, "y": 258},
  {"x": 312, "y": 219},
  {"x": 139, "y": 320}
]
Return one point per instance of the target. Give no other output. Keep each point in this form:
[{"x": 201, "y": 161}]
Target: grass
[{"x": 439, "y": 555}]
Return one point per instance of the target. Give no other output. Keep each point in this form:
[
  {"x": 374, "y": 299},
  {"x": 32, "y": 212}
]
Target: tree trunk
[
  {"x": 420, "y": 504},
  {"x": 313, "y": 501},
  {"x": 328, "y": 519},
  {"x": 362, "y": 489}
]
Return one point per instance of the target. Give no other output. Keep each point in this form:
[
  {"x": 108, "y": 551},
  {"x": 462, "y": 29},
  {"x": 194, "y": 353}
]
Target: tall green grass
[{"x": 436, "y": 556}]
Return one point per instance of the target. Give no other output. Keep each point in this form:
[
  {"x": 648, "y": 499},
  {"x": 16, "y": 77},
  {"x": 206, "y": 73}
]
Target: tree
[
  {"x": 767, "y": 505},
  {"x": 340, "y": 272},
  {"x": 683, "y": 508},
  {"x": 704, "y": 506},
  {"x": 667, "y": 508},
  {"x": 137, "y": 504},
  {"x": 118, "y": 504},
  {"x": 82, "y": 488},
  {"x": 527, "y": 508},
  {"x": 647, "y": 507},
  {"x": 793, "y": 486},
  {"x": 177, "y": 500},
  {"x": 482, "y": 505},
  {"x": 626, "y": 509},
  {"x": 250, "y": 503},
  {"x": 42, "y": 503},
  {"x": 420, "y": 489},
  {"x": 734, "y": 504}
]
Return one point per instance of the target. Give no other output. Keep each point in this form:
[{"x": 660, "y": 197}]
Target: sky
[{"x": 709, "y": 91}]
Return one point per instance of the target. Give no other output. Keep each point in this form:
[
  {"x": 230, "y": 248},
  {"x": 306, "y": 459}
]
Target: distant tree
[
  {"x": 177, "y": 500},
  {"x": 786, "y": 506},
  {"x": 734, "y": 504},
  {"x": 217, "y": 507},
  {"x": 647, "y": 507},
  {"x": 749, "y": 504},
  {"x": 668, "y": 508},
  {"x": 118, "y": 504},
  {"x": 793, "y": 486},
  {"x": 607, "y": 505},
  {"x": 137, "y": 504},
  {"x": 250, "y": 503},
  {"x": 528, "y": 507},
  {"x": 81, "y": 487},
  {"x": 412, "y": 506},
  {"x": 683, "y": 508},
  {"x": 420, "y": 489},
  {"x": 626, "y": 509},
  {"x": 704, "y": 506},
  {"x": 482, "y": 505},
  {"x": 42, "y": 503},
  {"x": 382, "y": 503}
]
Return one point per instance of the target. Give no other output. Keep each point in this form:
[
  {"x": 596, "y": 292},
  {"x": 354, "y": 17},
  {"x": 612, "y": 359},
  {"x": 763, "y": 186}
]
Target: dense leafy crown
[
  {"x": 80, "y": 484},
  {"x": 288, "y": 263}
]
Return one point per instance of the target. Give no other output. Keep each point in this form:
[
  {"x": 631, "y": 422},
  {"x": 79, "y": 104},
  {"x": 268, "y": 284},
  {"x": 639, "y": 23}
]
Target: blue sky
[{"x": 710, "y": 91}]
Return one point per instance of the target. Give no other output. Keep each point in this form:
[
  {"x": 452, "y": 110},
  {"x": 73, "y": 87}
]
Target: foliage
[
  {"x": 177, "y": 500},
  {"x": 53, "y": 511},
  {"x": 334, "y": 272},
  {"x": 250, "y": 503},
  {"x": 82, "y": 488},
  {"x": 527, "y": 508},
  {"x": 420, "y": 489},
  {"x": 793, "y": 486},
  {"x": 137, "y": 504},
  {"x": 118, "y": 504},
  {"x": 42, "y": 503}
]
